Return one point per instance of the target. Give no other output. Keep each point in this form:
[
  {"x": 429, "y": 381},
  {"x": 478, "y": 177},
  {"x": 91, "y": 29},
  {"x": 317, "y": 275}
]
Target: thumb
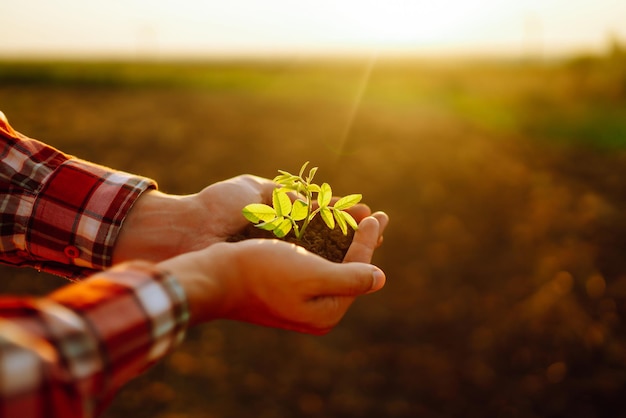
[
  {"x": 353, "y": 279},
  {"x": 364, "y": 242}
]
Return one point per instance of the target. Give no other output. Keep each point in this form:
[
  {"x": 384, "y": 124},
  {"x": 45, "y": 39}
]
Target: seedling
[{"x": 284, "y": 215}]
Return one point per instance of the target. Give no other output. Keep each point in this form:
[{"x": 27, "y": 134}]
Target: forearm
[
  {"x": 60, "y": 214},
  {"x": 75, "y": 348}
]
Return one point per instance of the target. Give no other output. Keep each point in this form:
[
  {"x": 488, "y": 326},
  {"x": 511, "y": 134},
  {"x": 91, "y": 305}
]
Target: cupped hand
[
  {"x": 161, "y": 226},
  {"x": 273, "y": 283},
  {"x": 217, "y": 208},
  {"x": 220, "y": 205}
]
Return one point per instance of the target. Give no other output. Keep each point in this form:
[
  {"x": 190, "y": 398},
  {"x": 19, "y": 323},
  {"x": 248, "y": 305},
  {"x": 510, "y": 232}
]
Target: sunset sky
[{"x": 160, "y": 29}]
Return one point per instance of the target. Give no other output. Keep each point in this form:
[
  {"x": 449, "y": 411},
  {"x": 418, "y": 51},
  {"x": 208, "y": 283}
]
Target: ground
[{"x": 505, "y": 260}]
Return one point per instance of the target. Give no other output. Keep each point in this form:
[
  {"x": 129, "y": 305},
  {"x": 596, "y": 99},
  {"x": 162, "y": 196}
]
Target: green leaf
[
  {"x": 311, "y": 175},
  {"x": 350, "y": 220},
  {"x": 256, "y": 212},
  {"x": 303, "y": 168},
  {"x": 280, "y": 178},
  {"x": 283, "y": 228},
  {"x": 341, "y": 221},
  {"x": 347, "y": 201},
  {"x": 327, "y": 216},
  {"x": 299, "y": 211},
  {"x": 289, "y": 188},
  {"x": 286, "y": 180},
  {"x": 271, "y": 225},
  {"x": 281, "y": 202},
  {"x": 324, "y": 195},
  {"x": 313, "y": 188}
]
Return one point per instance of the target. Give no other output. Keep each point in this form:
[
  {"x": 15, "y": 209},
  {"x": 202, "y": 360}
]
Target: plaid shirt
[
  {"x": 59, "y": 214},
  {"x": 66, "y": 354}
]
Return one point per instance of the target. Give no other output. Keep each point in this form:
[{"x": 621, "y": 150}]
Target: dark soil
[{"x": 331, "y": 244}]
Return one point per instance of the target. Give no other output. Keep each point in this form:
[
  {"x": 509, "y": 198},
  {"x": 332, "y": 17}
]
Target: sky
[{"x": 182, "y": 28}]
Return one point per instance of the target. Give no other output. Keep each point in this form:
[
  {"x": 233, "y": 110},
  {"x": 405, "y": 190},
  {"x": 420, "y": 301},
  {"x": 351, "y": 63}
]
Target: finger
[
  {"x": 350, "y": 280},
  {"x": 359, "y": 211},
  {"x": 383, "y": 221},
  {"x": 294, "y": 196},
  {"x": 327, "y": 312},
  {"x": 264, "y": 187},
  {"x": 364, "y": 242}
]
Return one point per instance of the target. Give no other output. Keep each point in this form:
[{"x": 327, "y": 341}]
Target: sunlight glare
[
  {"x": 403, "y": 22},
  {"x": 204, "y": 27},
  {"x": 360, "y": 90}
]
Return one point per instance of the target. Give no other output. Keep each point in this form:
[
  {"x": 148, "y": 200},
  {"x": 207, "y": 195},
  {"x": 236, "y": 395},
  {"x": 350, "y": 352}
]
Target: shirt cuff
[
  {"x": 78, "y": 213},
  {"x": 141, "y": 314}
]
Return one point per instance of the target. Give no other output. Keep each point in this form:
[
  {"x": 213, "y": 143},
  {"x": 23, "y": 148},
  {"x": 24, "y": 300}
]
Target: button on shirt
[{"x": 66, "y": 354}]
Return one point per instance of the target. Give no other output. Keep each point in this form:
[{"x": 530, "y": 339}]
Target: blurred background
[{"x": 492, "y": 132}]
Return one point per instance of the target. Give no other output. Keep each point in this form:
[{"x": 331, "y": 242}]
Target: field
[{"x": 506, "y": 252}]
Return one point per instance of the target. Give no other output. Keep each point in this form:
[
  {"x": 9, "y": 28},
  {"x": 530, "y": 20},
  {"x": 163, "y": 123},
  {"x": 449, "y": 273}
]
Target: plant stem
[
  {"x": 296, "y": 229},
  {"x": 309, "y": 216}
]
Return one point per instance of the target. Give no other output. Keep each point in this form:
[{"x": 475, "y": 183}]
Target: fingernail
[{"x": 378, "y": 280}]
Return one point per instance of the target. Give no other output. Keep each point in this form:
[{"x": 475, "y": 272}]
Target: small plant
[{"x": 284, "y": 215}]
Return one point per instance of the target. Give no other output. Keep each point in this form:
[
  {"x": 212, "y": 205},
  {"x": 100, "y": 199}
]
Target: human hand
[
  {"x": 161, "y": 226},
  {"x": 219, "y": 206},
  {"x": 273, "y": 283}
]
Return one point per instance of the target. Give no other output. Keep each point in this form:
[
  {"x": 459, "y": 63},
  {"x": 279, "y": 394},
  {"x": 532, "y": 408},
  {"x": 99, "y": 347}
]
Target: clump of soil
[{"x": 331, "y": 244}]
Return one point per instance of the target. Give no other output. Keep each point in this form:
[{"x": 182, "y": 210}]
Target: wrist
[
  {"x": 203, "y": 275},
  {"x": 153, "y": 230}
]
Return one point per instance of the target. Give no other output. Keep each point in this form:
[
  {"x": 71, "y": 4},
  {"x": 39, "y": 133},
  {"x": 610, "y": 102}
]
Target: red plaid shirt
[{"x": 66, "y": 354}]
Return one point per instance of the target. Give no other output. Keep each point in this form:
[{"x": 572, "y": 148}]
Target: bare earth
[{"x": 505, "y": 254}]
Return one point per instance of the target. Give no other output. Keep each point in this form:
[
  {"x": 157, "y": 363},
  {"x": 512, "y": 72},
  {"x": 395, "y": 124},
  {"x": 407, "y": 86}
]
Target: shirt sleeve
[
  {"x": 58, "y": 213},
  {"x": 67, "y": 354}
]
